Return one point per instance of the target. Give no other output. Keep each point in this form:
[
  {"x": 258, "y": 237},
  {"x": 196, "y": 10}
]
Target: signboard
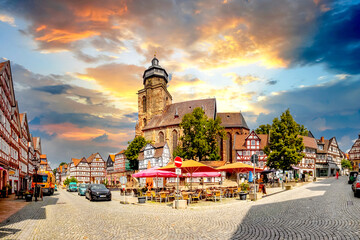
[
  {"x": 178, "y": 171},
  {"x": 254, "y": 158},
  {"x": 178, "y": 162},
  {"x": 11, "y": 172}
]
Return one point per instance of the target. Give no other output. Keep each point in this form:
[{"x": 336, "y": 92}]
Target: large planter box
[
  {"x": 180, "y": 204},
  {"x": 141, "y": 199},
  {"x": 258, "y": 196},
  {"x": 28, "y": 197},
  {"x": 243, "y": 196}
]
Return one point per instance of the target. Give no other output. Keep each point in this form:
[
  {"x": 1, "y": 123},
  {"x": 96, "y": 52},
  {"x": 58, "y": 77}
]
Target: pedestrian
[
  {"x": 337, "y": 175},
  {"x": 303, "y": 177}
]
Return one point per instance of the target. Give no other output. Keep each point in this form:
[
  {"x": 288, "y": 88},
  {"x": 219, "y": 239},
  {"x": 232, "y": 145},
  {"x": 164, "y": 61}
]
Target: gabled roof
[
  {"x": 112, "y": 157},
  {"x": 3, "y": 67},
  {"x": 75, "y": 161},
  {"x": 121, "y": 152},
  {"x": 24, "y": 122},
  {"x": 159, "y": 149},
  {"x": 240, "y": 141},
  {"x": 174, "y": 113},
  {"x": 232, "y": 119},
  {"x": 92, "y": 156},
  {"x": 325, "y": 143},
  {"x": 309, "y": 142}
]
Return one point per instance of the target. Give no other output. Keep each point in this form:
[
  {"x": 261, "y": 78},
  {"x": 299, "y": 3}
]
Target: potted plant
[
  {"x": 28, "y": 196},
  {"x": 244, "y": 191}
]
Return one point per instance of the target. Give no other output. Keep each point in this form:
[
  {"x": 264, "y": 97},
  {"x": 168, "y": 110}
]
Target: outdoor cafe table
[{"x": 188, "y": 193}]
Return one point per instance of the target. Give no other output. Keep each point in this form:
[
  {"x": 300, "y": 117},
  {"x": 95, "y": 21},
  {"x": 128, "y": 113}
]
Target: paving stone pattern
[{"x": 325, "y": 209}]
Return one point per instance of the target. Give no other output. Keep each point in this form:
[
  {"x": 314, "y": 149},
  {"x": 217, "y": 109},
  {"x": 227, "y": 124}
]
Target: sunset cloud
[{"x": 211, "y": 34}]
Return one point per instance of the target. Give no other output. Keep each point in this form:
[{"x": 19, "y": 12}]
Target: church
[{"x": 159, "y": 117}]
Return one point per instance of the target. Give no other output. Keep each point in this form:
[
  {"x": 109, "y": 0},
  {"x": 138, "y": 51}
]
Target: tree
[
  {"x": 285, "y": 147},
  {"x": 54, "y": 172},
  {"x": 73, "y": 179},
  {"x": 346, "y": 164},
  {"x": 66, "y": 181},
  {"x": 63, "y": 163},
  {"x": 132, "y": 152},
  {"x": 263, "y": 129},
  {"x": 199, "y": 141}
]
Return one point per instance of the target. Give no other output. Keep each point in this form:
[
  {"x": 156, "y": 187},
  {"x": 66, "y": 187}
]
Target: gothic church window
[
  {"x": 144, "y": 103},
  {"x": 175, "y": 139},
  {"x": 161, "y": 137}
]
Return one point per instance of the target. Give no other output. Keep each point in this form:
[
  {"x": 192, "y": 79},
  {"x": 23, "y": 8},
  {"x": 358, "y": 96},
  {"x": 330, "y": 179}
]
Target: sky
[{"x": 77, "y": 65}]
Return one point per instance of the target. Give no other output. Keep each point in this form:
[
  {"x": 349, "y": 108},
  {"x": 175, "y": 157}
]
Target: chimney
[{"x": 322, "y": 139}]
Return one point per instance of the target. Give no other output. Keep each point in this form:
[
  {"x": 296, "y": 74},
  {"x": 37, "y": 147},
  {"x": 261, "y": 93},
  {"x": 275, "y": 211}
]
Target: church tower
[{"x": 154, "y": 97}]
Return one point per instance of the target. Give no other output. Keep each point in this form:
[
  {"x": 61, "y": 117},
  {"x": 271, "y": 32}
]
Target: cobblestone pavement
[{"x": 322, "y": 210}]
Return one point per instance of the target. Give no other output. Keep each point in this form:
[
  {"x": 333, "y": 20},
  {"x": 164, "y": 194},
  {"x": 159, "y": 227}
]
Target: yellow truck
[{"x": 46, "y": 180}]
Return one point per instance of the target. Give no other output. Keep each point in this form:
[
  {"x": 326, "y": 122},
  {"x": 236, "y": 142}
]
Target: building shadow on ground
[
  {"x": 33, "y": 211},
  {"x": 323, "y": 216}
]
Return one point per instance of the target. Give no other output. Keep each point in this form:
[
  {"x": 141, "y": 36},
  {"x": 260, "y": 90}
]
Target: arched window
[
  {"x": 220, "y": 146},
  {"x": 144, "y": 121},
  {"x": 144, "y": 103},
  {"x": 161, "y": 137},
  {"x": 228, "y": 147},
  {"x": 175, "y": 139}
]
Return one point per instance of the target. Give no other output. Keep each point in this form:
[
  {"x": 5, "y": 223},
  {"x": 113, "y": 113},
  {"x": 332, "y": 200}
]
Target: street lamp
[{"x": 35, "y": 160}]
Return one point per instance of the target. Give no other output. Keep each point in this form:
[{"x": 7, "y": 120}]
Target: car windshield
[
  {"x": 40, "y": 178},
  {"x": 83, "y": 185},
  {"x": 98, "y": 187}
]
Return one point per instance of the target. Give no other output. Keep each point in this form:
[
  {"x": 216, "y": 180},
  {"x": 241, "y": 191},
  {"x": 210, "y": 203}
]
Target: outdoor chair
[
  {"x": 149, "y": 195},
  {"x": 208, "y": 195},
  {"x": 216, "y": 196},
  {"x": 196, "y": 197},
  {"x": 171, "y": 196},
  {"x": 186, "y": 197},
  {"x": 163, "y": 196}
]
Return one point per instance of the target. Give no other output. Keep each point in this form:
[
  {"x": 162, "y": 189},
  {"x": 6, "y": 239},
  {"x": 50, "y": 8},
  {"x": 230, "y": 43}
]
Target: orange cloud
[{"x": 64, "y": 36}]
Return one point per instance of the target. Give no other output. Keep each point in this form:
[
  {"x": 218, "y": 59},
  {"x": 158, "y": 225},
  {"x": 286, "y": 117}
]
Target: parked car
[
  {"x": 97, "y": 192},
  {"x": 82, "y": 189},
  {"x": 356, "y": 187},
  {"x": 72, "y": 187},
  {"x": 352, "y": 176}
]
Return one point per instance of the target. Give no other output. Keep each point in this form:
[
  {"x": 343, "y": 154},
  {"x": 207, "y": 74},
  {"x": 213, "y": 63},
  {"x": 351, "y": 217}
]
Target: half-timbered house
[
  {"x": 354, "y": 155},
  {"x": 247, "y": 145},
  {"x": 97, "y": 168}
]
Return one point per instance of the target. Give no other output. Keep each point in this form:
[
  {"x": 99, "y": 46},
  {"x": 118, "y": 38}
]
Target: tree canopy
[
  {"x": 67, "y": 180},
  {"x": 132, "y": 152},
  {"x": 263, "y": 129},
  {"x": 63, "y": 163},
  {"x": 346, "y": 164},
  {"x": 200, "y": 137},
  {"x": 285, "y": 147}
]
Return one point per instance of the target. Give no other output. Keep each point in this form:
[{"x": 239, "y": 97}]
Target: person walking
[{"x": 337, "y": 175}]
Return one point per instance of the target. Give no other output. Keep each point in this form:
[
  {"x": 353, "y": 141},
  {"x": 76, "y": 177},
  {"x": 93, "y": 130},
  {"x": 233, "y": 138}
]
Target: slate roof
[
  {"x": 232, "y": 119},
  {"x": 168, "y": 117}
]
